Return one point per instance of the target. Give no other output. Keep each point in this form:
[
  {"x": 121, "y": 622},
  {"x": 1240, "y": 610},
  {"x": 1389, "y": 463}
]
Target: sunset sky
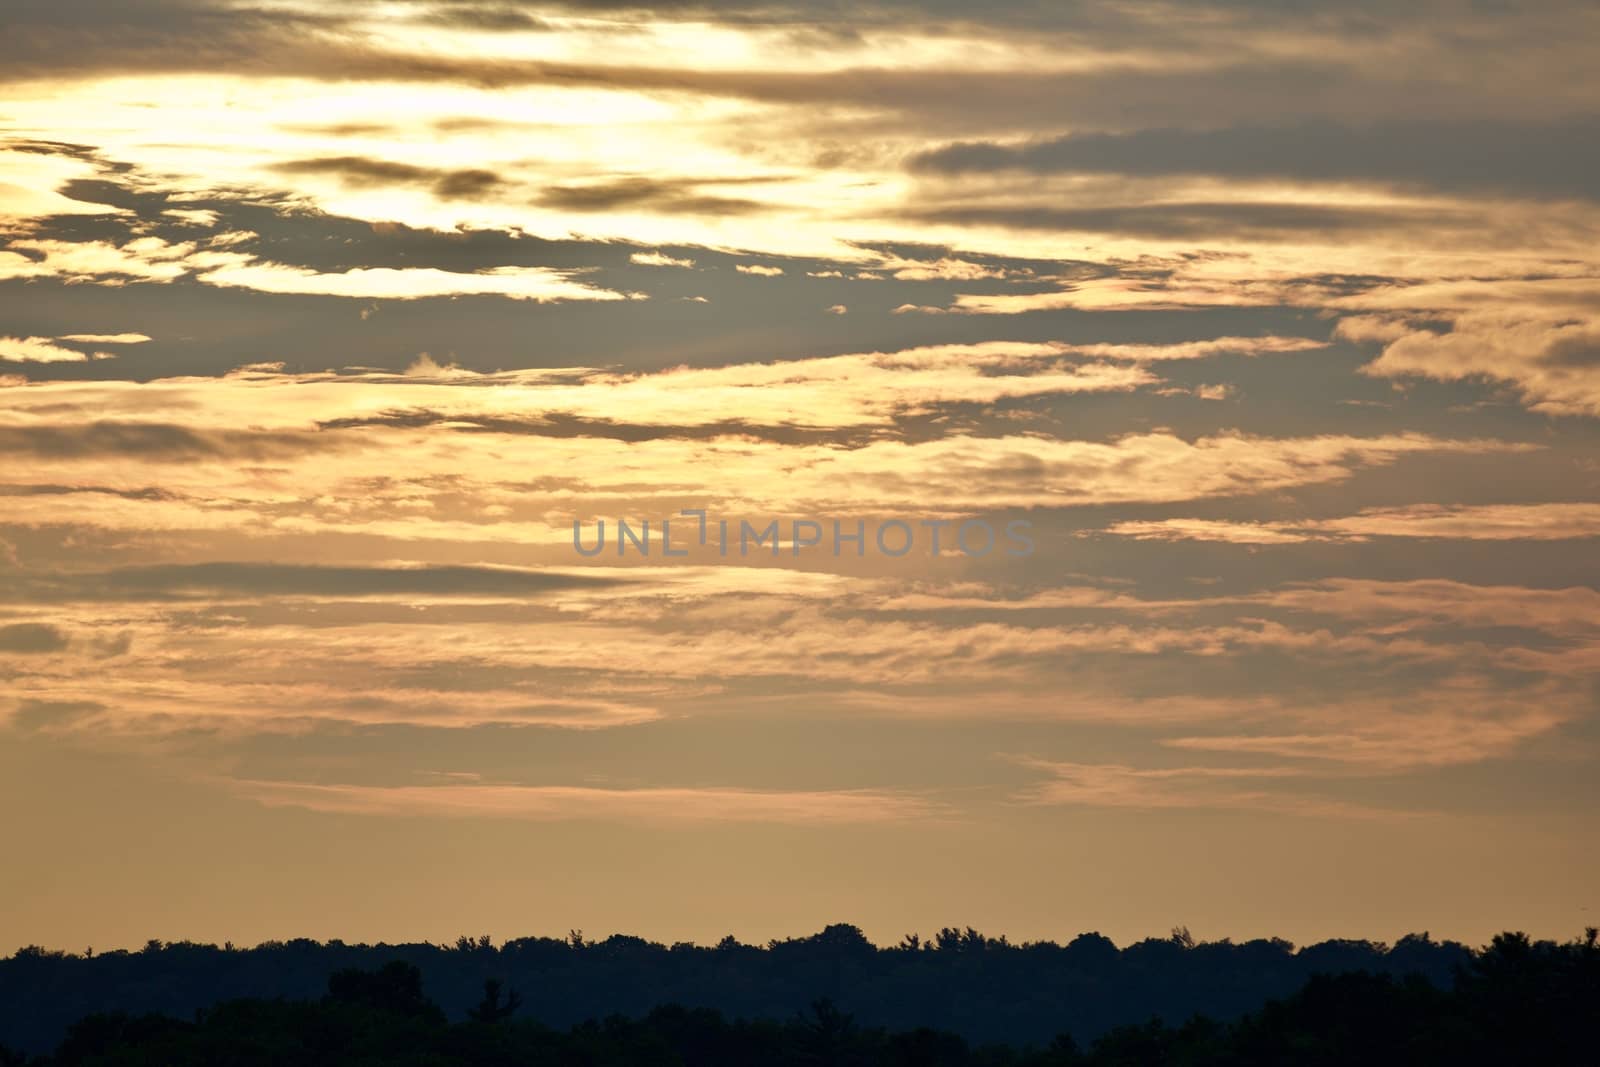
[{"x": 320, "y": 324}]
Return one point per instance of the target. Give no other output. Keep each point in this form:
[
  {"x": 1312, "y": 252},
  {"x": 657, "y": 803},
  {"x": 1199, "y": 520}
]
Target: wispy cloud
[
  {"x": 547, "y": 802},
  {"x": 1557, "y": 521},
  {"x": 1114, "y": 785}
]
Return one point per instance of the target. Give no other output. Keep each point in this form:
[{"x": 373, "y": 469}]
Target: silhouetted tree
[
  {"x": 489, "y": 1009},
  {"x": 396, "y": 987}
]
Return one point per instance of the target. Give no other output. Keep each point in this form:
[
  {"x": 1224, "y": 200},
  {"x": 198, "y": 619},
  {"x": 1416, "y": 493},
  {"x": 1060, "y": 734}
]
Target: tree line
[{"x": 832, "y": 998}]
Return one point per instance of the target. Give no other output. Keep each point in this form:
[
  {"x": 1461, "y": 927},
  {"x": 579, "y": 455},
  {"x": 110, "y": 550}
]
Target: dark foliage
[
  {"x": 1516, "y": 1002},
  {"x": 959, "y": 998}
]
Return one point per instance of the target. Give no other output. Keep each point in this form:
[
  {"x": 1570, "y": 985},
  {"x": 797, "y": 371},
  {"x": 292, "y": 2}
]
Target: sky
[{"x": 1244, "y": 355}]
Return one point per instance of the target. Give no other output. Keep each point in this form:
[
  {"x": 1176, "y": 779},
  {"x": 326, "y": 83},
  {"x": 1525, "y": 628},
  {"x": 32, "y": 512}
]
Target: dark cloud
[
  {"x": 562, "y": 425},
  {"x": 97, "y": 37},
  {"x": 50, "y": 38},
  {"x": 292, "y": 579},
  {"x": 1580, "y": 350},
  {"x": 34, "y": 715},
  {"x": 357, "y": 170},
  {"x": 200, "y": 329},
  {"x": 1364, "y": 18},
  {"x": 654, "y": 194},
  {"x": 152, "y": 441},
  {"x": 481, "y": 16},
  {"x": 341, "y": 129},
  {"x": 1260, "y": 221},
  {"x": 146, "y": 493},
  {"x": 147, "y": 21},
  {"x": 87, "y": 153},
  {"x": 467, "y": 184},
  {"x": 31, "y": 637},
  {"x": 1560, "y": 158},
  {"x": 360, "y": 171}
]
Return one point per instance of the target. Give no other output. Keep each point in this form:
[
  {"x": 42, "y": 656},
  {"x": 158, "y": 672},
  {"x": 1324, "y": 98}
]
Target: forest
[{"x": 959, "y": 998}]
